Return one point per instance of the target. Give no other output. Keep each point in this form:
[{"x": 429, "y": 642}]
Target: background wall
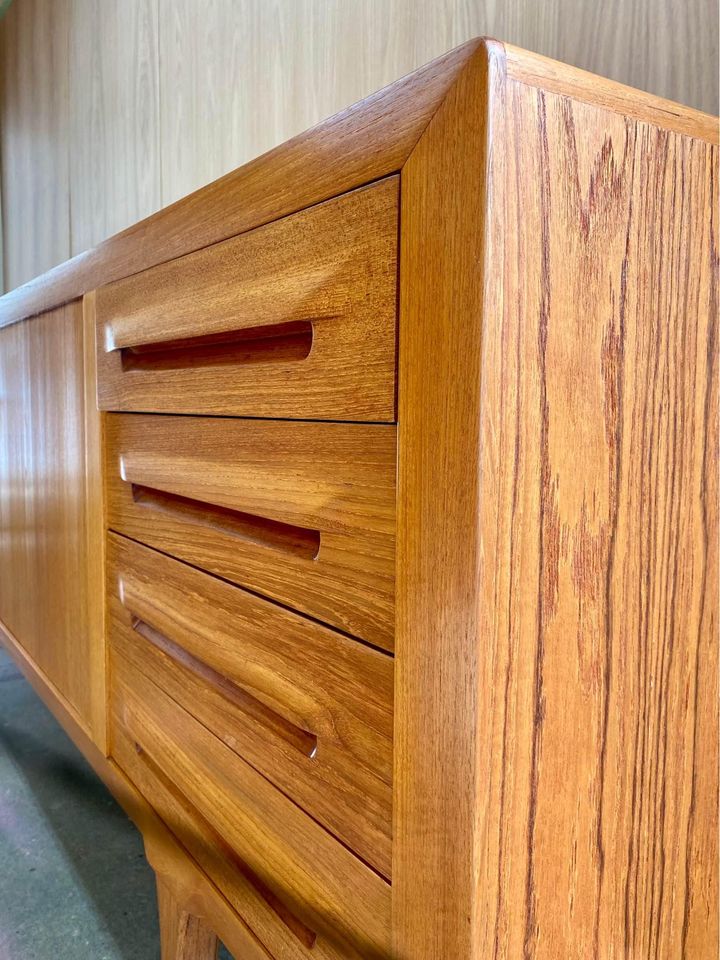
[{"x": 111, "y": 109}]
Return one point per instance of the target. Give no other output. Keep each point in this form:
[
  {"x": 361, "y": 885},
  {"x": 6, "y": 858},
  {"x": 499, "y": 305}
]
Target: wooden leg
[{"x": 182, "y": 936}]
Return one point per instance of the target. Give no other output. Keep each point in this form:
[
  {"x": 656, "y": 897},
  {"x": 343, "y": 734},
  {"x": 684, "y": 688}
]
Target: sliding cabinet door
[{"x": 50, "y": 509}]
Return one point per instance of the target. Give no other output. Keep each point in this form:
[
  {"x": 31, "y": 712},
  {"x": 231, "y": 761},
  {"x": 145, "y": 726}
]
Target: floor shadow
[
  {"x": 100, "y": 843},
  {"x": 75, "y": 811}
]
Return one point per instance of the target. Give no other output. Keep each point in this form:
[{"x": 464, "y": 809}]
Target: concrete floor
[{"x": 74, "y": 883}]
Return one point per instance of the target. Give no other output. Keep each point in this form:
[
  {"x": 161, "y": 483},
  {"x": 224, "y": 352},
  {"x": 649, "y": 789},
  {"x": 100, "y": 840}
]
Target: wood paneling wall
[{"x": 111, "y": 109}]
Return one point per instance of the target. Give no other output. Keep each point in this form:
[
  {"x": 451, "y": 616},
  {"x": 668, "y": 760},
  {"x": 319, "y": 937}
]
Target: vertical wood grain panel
[
  {"x": 599, "y": 727},
  {"x": 46, "y": 536}
]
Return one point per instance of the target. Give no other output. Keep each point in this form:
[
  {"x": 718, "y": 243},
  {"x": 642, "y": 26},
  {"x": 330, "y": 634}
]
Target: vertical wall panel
[
  {"x": 162, "y": 96},
  {"x": 206, "y": 60},
  {"x": 34, "y": 144},
  {"x": 114, "y": 97}
]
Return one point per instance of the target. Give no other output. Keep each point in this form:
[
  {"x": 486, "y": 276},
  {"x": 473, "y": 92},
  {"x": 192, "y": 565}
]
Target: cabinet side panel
[
  {"x": 45, "y": 592},
  {"x": 599, "y": 530}
]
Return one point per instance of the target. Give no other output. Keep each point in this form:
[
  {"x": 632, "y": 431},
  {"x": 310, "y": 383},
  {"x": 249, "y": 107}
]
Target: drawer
[
  {"x": 308, "y": 707},
  {"x": 295, "y": 319},
  {"x": 314, "y": 886},
  {"x": 277, "y": 926},
  {"x": 301, "y": 512}
]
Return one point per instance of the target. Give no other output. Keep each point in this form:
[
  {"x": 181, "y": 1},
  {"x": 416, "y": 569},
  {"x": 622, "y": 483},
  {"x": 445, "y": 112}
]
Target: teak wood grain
[
  {"x": 369, "y": 140},
  {"x": 51, "y": 507},
  {"x": 182, "y": 935},
  {"x": 558, "y": 271},
  {"x": 366, "y": 142},
  {"x": 170, "y": 861},
  {"x": 437, "y": 683},
  {"x": 600, "y": 370},
  {"x": 312, "y": 874},
  {"x": 301, "y": 512},
  {"x": 313, "y": 296},
  {"x": 555, "y": 742},
  {"x": 114, "y": 110},
  {"x": 193, "y": 902},
  {"x": 309, "y": 708},
  {"x": 276, "y": 925},
  {"x": 94, "y": 509},
  {"x": 553, "y": 77}
]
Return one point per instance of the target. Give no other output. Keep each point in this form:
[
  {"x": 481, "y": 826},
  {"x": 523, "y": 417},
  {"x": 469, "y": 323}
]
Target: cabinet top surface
[{"x": 369, "y": 140}]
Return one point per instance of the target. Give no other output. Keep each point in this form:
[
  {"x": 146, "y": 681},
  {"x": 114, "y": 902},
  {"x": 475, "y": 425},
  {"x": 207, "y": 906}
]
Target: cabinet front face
[{"x": 48, "y": 603}]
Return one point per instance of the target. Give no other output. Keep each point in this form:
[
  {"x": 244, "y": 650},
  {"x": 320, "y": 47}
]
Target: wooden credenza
[{"x": 359, "y": 522}]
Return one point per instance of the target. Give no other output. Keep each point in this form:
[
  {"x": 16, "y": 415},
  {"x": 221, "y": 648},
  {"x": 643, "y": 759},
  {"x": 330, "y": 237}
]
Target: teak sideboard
[{"x": 359, "y": 523}]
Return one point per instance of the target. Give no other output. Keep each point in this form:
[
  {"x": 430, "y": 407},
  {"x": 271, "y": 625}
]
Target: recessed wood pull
[
  {"x": 301, "y": 739},
  {"x": 269, "y": 533},
  {"x": 302, "y": 932},
  {"x": 278, "y": 343}
]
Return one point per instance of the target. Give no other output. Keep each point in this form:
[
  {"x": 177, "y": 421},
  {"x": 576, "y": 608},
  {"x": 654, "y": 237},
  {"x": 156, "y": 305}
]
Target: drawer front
[
  {"x": 295, "y": 319},
  {"x": 275, "y": 924},
  {"x": 301, "y": 512},
  {"x": 319, "y": 886},
  {"x": 306, "y": 706}
]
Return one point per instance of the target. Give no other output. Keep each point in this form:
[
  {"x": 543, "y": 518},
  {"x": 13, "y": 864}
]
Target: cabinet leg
[{"x": 182, "y": 936}]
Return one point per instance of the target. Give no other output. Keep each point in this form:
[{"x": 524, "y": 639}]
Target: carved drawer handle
[
  {"x": 302, "y": 740},
  {"x": 278, "y": 343},
  {"x": 298, "y": 541}
]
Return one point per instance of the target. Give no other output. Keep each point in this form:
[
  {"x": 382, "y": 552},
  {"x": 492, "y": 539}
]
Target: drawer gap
[
  {"x": 298, "y": 541},
  {"x": 302, "y": 740},
  {"x": 276, "y": 343},
  {"x": 300, "y": 931}
]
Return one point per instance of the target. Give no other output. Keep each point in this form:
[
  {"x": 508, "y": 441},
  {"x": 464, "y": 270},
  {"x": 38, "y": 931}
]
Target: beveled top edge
[
  {"x": 556, "y": 77},
  {"x": 365, "y": 142}
]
